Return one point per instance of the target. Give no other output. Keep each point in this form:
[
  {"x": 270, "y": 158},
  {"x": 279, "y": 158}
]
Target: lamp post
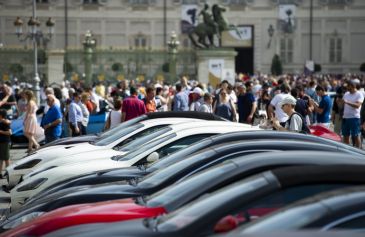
[
  {"x": 89, "y": 44},
  {"x": 35, "y": 34},
  {"x": 270, "y": 31},
  {"x": 172, "y": 45}
]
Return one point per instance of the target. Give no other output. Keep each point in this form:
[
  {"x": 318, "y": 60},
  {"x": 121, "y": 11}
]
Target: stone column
[
  {"x": 55, "y": 66},
  {"x": 203, "y": 58}
]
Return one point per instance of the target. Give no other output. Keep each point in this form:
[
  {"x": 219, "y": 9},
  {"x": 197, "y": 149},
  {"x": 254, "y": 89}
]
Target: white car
[
  {"x": 115, "y": 144},
  {"x": 178, "y": 138}
]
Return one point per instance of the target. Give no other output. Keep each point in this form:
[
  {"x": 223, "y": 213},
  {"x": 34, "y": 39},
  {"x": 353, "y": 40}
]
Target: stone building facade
[{"x": 338, "y": 29}]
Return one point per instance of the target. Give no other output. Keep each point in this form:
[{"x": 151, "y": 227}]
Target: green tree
[
  {"x": 16, "y": 69},
  {"x": 362, "y": 67},
  {"x": 166, "y": 67},
  {"x": 68, "y": 67},
  {"x": 117, "y": 67},
  {"x": 276, "y": 67}
]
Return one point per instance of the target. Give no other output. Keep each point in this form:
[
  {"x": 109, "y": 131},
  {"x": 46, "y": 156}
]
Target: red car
[
  {"x": 109, "y": 211},
  {"x": 321, "y": 131}
]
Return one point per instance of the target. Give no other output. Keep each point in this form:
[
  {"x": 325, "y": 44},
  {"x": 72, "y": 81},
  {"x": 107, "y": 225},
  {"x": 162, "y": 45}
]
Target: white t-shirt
[
  {"x": 115, "y": 118},
  {"x": 296, "y": 123},
  {"x": 351, "y": 112},
  {"x": 279, "y": 113}
]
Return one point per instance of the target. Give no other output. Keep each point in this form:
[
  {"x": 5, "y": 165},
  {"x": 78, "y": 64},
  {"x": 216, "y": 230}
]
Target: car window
[
  {"x": 180, "y": 144},
  {"x": 279, "y": 199},
  {"x": 140, "y": 134},
  {"x": 144, "y": 148},
  {"x": 132, "y": 146},
  {"x": 121, "y": 127},
  {"x": 355, "y": 221},
  {"x": 117, "y": 135}
]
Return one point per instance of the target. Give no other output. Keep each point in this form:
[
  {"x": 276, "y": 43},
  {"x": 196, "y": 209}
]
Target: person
[
  {"x": 351, "y": 114},
  {"x": 115, "y": 115},
  {"x": 30, "y": 121},
  {"x": 181, "y": 99},
  {"x": 75, "y": 116},
  {"x": 132, "y": 107},
  {"x": 195, "y": 99},
  {"x": 225, "y": 107},
  {"x": 85, "y": 112},
  {"x": 337, "y": 109},
  {"x": 7, "y": 99},
  {"x": 52, "y": 120},
  {"x": 206, "y": 106},
  {"x": 274, "y": 108},
  {"x": 323, "y": 109},
  {"x": 161, "y": 100},
  {"x": 247, "y": 105},
  {"x": 295, "y": 121},
  {"x": 5, "y": 133},
  {"x": 149, "y": 100}
]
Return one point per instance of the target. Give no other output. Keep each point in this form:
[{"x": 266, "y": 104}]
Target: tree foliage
[
  {"x": 276, "y": 67},
  {"x": 117, "y": 67},
  {"x": 362, "y": 67}
]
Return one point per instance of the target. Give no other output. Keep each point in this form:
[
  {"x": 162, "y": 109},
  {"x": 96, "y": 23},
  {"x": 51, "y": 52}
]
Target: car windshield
[
  {"x": 121, "y": 127},
  {"x": 140, "y": 149},
  {"x": 203, "y": 206},
  {"x": 167, "y": 196},
  {"x": 160, "y": 176},
  {"x": 181, "y": 154},
  {"x": 143, "y": 140},
  {"x": 118, "y": 134}
]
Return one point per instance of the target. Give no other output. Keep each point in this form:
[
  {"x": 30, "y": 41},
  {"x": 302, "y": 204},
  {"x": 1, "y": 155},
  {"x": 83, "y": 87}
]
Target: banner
[
  {"x": 239, "y": 37},
  {"x": 215, "y": 68},
  {"x": 189, "y": 18},
  {"x": 287, "y": 15}
]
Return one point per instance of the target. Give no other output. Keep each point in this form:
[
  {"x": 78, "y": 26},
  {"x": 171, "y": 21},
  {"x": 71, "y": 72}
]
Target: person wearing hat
[
  {"x": 295, "y": 122},
  {"x": 195, "y": 96}
]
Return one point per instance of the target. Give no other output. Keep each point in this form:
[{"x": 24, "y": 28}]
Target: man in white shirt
[
  {"x": 351, "y": 115},
  {"x": 275, "y": 110},
  {"x": 207, "y": 105}
]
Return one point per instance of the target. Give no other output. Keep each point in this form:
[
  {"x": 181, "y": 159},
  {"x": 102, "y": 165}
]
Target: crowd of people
[{"x": 287, "y": 102}]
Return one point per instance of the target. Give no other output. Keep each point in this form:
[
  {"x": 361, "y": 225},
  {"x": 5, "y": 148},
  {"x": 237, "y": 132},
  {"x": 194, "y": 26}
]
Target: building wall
[{"x": 117, "y": 23}]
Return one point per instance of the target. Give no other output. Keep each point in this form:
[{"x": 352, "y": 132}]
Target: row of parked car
[{"x": 185, "y": 174}]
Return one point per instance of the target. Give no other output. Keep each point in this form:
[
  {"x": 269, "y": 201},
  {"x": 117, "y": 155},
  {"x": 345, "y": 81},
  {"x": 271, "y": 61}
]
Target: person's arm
[
  {"x": 270, "y": 111},
  {"x": 253, "y": 109},
  {"x": 355, "y": 105},
  {"x": 276, "y": 124},
  {"x": 233, "y": 110},
  {"x": 123, "y": 116},
  {"x": 6, "y": 133},
  {"x": 3, "y": 101}
]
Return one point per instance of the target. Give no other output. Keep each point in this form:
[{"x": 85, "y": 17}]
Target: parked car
[
  {"x": 338, "y": 210},
  {"x": 114, "y": 144},
  {"x": 163, "y": 177},
  {"x": 122, "y": 126},
  {"x": 180, "y": 136},
  {"x": 136, "y": 172},
  {"x": 233, "y": 205},
  {"x": 166, "y": 200}
]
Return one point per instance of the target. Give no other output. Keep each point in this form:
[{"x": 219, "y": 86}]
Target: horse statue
[
  {"x": 222, "y": 23},
  {"x": 207, "y": 29}
]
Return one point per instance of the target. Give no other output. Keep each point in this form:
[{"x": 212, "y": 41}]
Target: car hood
[
  {"x": 109, "y": 211},
  {"x": 71, "y": 140},
  {"x": 102, "y": 154}
]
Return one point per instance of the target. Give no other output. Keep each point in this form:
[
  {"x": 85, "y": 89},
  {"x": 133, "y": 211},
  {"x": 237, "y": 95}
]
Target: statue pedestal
[
  {"x": 55, "y": 66},
  {"x": 216, "y": 65}
]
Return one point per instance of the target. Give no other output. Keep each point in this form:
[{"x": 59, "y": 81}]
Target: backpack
[{"x": 305, "y": 129}]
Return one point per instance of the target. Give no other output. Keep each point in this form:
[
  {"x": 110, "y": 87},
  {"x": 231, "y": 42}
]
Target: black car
[
  {"x": 124, "y": 125},
  {"x": 336, "y": 210},
  {"x": 135, "y": 172},
  {"x": 238, "y": 203},
  {"x": 168, "y": 175},
  {"x": 217, "y": 177}
]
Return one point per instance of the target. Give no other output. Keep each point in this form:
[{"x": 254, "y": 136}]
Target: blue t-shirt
[
  {"x": 326, "y": 105},
  {"x": 244, "y": 104},
  {"x": 53, "y": 114}
]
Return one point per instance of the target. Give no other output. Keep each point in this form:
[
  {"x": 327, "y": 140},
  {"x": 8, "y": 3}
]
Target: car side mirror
[
  {"x": 153, "y": 157},
  {"x": 226, "y": 224}
]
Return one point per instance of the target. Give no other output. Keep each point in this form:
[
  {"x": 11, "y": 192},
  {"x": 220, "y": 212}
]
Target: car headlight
[
  {"x": 27, "y": 165},
  {"x": 32, "y": 185},
  {"x": 14, "y": 223}
]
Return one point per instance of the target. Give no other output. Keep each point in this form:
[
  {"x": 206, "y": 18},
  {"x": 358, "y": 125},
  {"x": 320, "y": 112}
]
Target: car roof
[
  {"x": 312, "y": 174},
  {"x": 168, "y": 121},
  {"x": 303, "y": 155},
  {"x": 185, "y": 114}
]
